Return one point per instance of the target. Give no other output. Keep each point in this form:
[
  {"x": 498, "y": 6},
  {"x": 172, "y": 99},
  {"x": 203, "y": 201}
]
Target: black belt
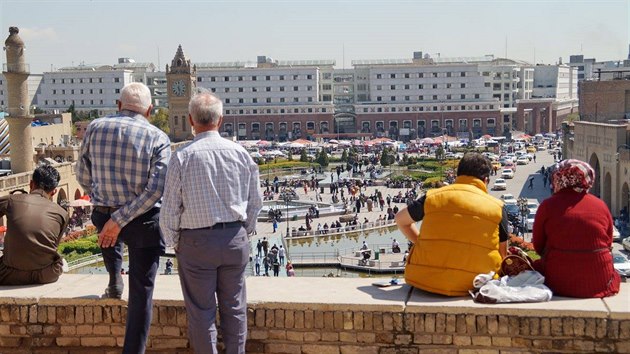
[
  {"x": 105, "y": 210},
  {"x": 220, "y": 225},
  {"x": 225, "y": 225}
]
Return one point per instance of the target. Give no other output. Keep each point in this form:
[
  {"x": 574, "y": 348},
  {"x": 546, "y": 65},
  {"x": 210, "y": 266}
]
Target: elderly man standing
[
  {"x": 122, "y": 166},
  {"x": 211, "y": 202}
]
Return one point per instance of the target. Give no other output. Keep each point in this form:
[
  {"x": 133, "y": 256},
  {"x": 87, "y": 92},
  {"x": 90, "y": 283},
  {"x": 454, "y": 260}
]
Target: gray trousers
[{"x": 211, "y": 262}]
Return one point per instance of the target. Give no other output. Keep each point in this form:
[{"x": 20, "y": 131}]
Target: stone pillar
[
  {"x": 19, "y": 120},
  {"x": 520, "y": 118},
  {"x": 21, "y": 141}
]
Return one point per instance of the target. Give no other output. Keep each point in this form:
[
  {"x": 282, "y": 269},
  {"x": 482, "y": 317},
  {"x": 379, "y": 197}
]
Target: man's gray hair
[
  {"x": 135, "y": 97},
  {"x": 205, "y": 108}
]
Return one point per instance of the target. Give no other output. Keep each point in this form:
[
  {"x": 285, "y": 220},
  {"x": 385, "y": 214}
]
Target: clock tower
[{"x": 181, "y": 81}]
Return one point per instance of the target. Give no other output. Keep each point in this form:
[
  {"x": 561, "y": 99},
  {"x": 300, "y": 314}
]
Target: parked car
[
  {"x": 626, "y": 244},
  {"x": 499, "y": 184},
  {"x": 530, "y": 220},
  {"x": 508, "y": 198},
  {"x": 512, "y": 211},
  {"x": 523, "y": 160},
  {"x": 507, "y": 173},
  {"x": 532, "y": 204},
  {"x": 621, "y": 264}
]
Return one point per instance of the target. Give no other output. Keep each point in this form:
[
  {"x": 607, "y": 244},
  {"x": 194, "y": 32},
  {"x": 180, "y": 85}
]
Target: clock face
[{"x": 179, "y": 88}]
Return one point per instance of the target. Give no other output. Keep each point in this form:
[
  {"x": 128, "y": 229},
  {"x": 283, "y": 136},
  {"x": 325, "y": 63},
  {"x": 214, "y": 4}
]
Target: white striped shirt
[{"x": 211, "y": 180}]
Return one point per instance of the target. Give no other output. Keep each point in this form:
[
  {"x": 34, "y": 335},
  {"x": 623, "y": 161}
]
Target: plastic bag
[{"x": 528, "y": 286}]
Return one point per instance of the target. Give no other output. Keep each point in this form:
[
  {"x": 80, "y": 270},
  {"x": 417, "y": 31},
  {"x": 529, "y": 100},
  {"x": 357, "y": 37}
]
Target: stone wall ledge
[{"x": 324, "y": 315}]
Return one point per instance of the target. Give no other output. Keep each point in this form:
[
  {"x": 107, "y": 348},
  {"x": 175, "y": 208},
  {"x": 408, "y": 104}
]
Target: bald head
[
  {"x": 206, "y": 109},
  {"x": 136, "y": 97}
]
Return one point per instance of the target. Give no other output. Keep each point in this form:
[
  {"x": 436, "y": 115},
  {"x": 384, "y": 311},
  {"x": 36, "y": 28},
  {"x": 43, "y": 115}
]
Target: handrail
[{"x": 342, "y": 230}]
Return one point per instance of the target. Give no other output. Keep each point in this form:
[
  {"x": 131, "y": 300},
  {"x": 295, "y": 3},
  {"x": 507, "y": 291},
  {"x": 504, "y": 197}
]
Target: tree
[
  {"x": 322, "y": 158},
  {"x": 344, "y": 155},
  {"x": 160, "y": 120},
  {"x": 439, "y": 152},
  {"x": 303, "y": 155},
  {"x": 386, "y": 160},
  {"x": 290, "y": 155}
]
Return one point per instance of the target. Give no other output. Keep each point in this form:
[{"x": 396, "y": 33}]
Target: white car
[
  {"x": 508, "y": 198},
  {"x": 626, "y": 244},
  {"x": 499, "y": 184},
  {"x": 523, "y": 160},
  {"x": 621, "y": 264},
  {"x": 532, "y": 205},
  {"x": 507, "y": 173},
  {"x": 530, "y": 220}
]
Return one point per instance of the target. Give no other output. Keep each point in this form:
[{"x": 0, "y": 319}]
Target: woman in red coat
[{"x": 573, "y": 236}]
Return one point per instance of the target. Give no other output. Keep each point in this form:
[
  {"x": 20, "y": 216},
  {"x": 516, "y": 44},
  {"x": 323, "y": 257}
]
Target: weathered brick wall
[{"x": 96, "y": 326}]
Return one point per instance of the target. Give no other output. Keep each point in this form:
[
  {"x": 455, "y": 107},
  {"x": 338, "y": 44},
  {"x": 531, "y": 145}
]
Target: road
[{"x": 518, "y": 186}]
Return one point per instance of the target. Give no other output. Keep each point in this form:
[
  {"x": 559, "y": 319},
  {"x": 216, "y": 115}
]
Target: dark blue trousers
[{"x": 145, "y": 244}]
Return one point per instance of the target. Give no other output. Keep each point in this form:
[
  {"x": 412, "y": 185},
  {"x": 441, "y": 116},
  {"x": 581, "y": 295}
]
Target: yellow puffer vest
[{"x": 459, "y": 238}]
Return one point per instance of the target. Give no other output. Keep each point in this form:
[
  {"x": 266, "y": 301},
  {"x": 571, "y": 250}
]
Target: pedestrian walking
[
  {"x": 257, "y": 264},
  {"x": 259, "y": 248},
  {"x": 281, "y": 254},
  {"x": 275, "y": 226},
  {"x": 531, "y": 183}
]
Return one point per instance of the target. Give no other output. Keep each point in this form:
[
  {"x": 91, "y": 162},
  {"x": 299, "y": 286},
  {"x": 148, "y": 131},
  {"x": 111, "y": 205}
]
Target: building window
[
  {"x": 213, "y": 79},
  {"x": 463, "y": 74},
  {"x": 420, "y": 75},
  {"x": 309, "y": 77},
  {"x": 268, "y": 89},
  {"x": 295, "y": 77},
  {"x": 295, "y": 88},
  {"x": 296, "y": 99},
  {"x": 240, "y": 89},
  {"x": 435, "y": 86},
  {"x": 281, "y": 77},
  {"x": 379, "y": 98},
  {"x": 199, "y": 79},
  {"x": 463, "y": 97},
  {"x": 448, "y": 74},
  {"x": 268, "y": 99},
  {"x": 240, "y": 78},
  {"x": 392, "y": 87},
  {"x": 267, "y": 77},
  {"x": 435, "y": 74},
  {"x": 435, "y": 97},
  {"x": 379, "y": 76},
  {"x": 254, "y": 100},
  {"x": 227, "y": 100},
  {"x": 392, "y": 98},
  {"x": 253, "y": 78},
  {"x": 379, "y": 87},
  {"x": 226, "y": 78},
  {"x": 477, "y": 96},
  {"x": 116, "y": 79},
  {"x": 420, "y": 87},
  {"x": 309, "y": 88}
]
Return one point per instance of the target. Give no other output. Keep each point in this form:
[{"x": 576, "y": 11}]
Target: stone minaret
[{"x": 19, "y": 119}]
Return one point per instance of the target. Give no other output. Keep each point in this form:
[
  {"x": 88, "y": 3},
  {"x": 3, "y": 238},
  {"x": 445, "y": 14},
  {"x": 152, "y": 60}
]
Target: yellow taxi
[
  {"x": 496, "y": 165},
  {"x": 531, "y": 149}
]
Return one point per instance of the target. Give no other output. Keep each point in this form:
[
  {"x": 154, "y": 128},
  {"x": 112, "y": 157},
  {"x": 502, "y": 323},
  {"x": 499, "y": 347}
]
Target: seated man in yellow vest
[{"x": 463, "y": 232}]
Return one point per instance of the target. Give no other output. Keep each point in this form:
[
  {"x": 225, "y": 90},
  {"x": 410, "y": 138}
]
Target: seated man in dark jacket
[{"x": 35, "y": 225}]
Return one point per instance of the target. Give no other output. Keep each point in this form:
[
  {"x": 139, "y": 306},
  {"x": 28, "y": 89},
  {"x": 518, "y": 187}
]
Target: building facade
[{"x": 284, "y": 100}]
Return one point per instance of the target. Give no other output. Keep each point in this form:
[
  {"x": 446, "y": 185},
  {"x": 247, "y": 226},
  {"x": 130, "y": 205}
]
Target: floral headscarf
[{"x": 574, "y": 174}]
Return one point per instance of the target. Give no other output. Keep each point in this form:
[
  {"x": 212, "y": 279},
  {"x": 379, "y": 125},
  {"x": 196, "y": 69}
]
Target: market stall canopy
[{"x": 78, "y": 203}]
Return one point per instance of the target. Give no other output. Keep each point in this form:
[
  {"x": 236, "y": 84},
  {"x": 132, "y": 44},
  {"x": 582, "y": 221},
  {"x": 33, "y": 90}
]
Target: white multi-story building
[
  {"x": 281, "y": 100},
  {"x": 88, "y": 88}
]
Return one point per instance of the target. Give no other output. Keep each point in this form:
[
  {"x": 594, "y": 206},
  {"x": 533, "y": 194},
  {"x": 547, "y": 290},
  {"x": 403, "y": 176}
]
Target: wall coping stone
[{"x": 327, "y": 294}]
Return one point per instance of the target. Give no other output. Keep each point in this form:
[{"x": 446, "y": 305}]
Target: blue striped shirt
[
  {"x": 123, "y": 164},
  {"x": 211, "y": 180}
]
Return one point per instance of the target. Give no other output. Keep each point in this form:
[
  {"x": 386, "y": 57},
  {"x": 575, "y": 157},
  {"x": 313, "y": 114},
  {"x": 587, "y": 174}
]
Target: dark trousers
[
  {"x": 211, "y": 265},
  {"x": 12, "y": 276},
  {"x": 145, "y": 244}
]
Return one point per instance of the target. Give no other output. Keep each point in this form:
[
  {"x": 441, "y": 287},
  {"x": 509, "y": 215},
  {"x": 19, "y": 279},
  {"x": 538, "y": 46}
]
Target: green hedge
[
  {"x": 80, "y": 248},
  {"x": 286, "y": 165}
]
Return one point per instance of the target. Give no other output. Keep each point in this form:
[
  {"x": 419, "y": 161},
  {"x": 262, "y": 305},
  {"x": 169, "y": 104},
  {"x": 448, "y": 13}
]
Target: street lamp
[{"x": 522, "y": 207}]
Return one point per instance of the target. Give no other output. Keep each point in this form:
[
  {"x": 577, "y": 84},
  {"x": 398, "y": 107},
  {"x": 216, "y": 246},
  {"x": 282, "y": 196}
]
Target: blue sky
[{"x": 62, "y": 32}]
